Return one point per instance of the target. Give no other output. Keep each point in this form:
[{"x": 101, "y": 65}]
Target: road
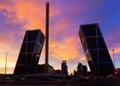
[{"x": 90, "y": 82}]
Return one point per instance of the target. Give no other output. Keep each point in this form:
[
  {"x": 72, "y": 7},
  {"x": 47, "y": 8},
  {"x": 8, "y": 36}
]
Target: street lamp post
[
  {"x": 113, "y": 59},
  {"x": 6, "y": 63}
]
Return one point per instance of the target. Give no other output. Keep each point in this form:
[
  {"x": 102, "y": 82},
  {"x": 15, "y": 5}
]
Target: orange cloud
[
  {"x": 82, "y": 59},
  {"x": 64, "y": 51},
  {"x": 32, "y": 13}
]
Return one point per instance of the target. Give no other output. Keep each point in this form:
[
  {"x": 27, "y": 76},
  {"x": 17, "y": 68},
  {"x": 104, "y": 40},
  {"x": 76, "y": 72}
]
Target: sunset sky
[{"x": 17, "y": 16}]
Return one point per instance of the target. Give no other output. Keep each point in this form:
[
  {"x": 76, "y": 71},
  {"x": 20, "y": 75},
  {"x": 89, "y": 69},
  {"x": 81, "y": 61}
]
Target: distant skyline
[{"x": 66, "y": 16}]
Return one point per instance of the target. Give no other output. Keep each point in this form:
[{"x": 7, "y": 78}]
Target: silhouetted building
[
  {"x": 58, "y": 72},
  {"x": 84, "y": 70},
  {"x": 30, "y": 52},
  {"x": 64, "y": 68},
  {"x": 95, "y": 50},
  {"x": 80, "y": 69},
  {"x": 75, "y": 73},
  {"x": 41, "y": 68}
]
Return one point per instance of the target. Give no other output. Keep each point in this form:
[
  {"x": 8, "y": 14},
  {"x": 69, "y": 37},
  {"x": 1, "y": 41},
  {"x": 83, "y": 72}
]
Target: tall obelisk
[{"x": 47, "y": 37}]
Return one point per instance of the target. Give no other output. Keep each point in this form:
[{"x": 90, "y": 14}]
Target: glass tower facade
[
  {"x": 30, "y": 52},
  {"x": 95, "y": 50}
]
